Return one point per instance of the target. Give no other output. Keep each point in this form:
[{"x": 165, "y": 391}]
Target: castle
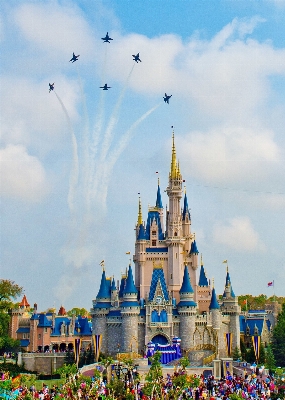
[
  {"x": 163, "y": 298},
  {"x": 161, "y": 303}
]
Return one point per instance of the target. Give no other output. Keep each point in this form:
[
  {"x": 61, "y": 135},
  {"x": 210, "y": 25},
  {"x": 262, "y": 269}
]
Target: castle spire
[
  {"x": 173, "y": 168},
  {"x": 158, "y": 197},
  {"x": 140, "y": 220}
]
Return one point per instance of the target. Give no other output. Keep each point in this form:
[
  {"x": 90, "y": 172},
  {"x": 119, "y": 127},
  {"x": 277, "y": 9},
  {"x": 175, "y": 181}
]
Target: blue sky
[{"x": 74, "y": 160}]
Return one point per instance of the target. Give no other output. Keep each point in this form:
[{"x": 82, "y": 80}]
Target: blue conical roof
[
  {"x": 113, "y": 287},
  {"x": 130, "y": 286},
  {"x": 185, "y": 208},
  {"x": 214, "y": 305},
  {"x": 104, "y": 291},
  {"x": 141, "y": 235},
  {"x": 158, "y": 203},
  {"x": 203, "y": 281},
  {"x": 122, "y": 286},
  {"x": 194, "y": 248},
  {"x": 186, "y": 284}
]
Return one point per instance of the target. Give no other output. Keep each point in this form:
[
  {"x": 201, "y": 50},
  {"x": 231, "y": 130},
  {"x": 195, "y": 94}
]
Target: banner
[
  {"x": 97, "y": 339},
  {"x": 229, "y": 339},
  {"x": 256, "y": 346},
  {"x": 77, "y": 347}
]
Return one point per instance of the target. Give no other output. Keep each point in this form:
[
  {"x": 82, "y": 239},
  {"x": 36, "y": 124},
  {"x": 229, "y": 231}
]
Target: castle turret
[
  {"x": 101, "y": 307},
  {"x": 114, "y": 294},
  {"x": 129, "y": 311},
  {"x": 203, "y": 290},
  {"x": 187, "y": 309},
  {"x": 186, "y": 219},
  {"x": 174, "y": 236},
  {"x": 140, "y": 254},
  {"x": 231, "y": 308}
]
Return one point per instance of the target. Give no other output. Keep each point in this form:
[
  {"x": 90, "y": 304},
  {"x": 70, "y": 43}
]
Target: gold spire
[
  {"x": 140, "y": 221},
  {"x": 213, "y": 283},
  {"x": 173, "y": 169}
]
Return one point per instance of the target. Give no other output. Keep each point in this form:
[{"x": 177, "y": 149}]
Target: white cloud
[
  {"x": 54, "y": 28},
  {"x": 230, "y": 154},
  {"x": 238, "y": 234},
  {"x": 22, "y": 175},
  {"x": 33, "y": 116}
]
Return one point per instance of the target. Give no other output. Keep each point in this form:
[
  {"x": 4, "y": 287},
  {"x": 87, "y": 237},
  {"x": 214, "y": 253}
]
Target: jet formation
[
  {"x": 136, "y": 58},
  {"x": 74, "y": 58}
]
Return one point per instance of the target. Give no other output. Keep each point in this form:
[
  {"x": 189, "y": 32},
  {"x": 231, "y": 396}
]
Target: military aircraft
[
  {"x": 166, "y": 98},
  {"x": 51, "y": 87},
  {"x": 107, "y": 38},
  {"x": 137, "y": 58},
  {"x": 74, "y": 58},
  {"x": 105, "y": 87}
]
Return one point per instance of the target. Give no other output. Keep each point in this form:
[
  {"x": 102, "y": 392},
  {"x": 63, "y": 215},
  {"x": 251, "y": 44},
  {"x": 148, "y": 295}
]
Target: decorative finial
[
  {"x": 140, "y": 221},
  {"x": 173, "y": 169},
  {"x": 201, "y": 259},
  {"x": 102, "y": 264},
  {"x": 213, "y": 283}
]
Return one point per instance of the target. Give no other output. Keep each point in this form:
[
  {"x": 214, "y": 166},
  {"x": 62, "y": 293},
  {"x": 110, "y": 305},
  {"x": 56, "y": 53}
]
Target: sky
[{"x": 74, "y": 161}]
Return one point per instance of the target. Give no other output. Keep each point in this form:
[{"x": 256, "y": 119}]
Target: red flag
[{"x": 270, "y": 284}]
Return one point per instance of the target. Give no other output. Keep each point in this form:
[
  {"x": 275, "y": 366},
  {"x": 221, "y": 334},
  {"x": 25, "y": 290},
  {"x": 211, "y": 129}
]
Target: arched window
[
  {"x": 154, "y": 316},
  {"x": 163, "y": 316}
]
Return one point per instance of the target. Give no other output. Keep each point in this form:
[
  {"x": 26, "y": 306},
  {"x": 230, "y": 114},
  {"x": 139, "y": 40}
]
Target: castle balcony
[{"x": 159, "y": 324}]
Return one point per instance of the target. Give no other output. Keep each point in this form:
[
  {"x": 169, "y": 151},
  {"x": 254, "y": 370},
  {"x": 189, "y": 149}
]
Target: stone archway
[{"x": 160, "y": 339}]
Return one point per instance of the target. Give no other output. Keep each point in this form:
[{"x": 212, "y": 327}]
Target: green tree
[
  {"x": 243, "y": 349},
  {"x": 154, "y": 376},
  {"x": 278, "y": 339},
  {"x": 269, "y": 359},
  {"x": 9, "y": 291},
  {"x": 78, "y": 311},
  {"x": 262, "y": 354},
  {"x": 236, "y": 354}
]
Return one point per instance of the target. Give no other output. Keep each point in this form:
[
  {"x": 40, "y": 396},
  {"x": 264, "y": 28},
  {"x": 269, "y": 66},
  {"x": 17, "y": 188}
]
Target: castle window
[
  {"x": 153, "y": 233},
  {"x": 175, "y": 233},
  {"x": 45, "y": 330},
  {"x": 24, "y": 336},
  {"x": 39, "y": 336},
  {"x": 153, "y": 242}
]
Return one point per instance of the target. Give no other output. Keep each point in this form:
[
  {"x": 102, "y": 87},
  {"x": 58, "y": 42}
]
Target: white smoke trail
[
  {"x": 109, "y": 165},
  {"x": 73, "y": 180},
  {"x": 85, "y": 137},
  {"x": 113, "y": 120}
]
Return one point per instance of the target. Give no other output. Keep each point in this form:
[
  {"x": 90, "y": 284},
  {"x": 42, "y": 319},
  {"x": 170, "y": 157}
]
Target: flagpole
[{"x": 274, "y": 297}]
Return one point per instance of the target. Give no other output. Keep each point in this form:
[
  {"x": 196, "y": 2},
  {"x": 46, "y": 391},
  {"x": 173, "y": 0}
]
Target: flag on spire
[
  {"x": 102, "y": 263},
  {"x": 225, "y": 261},
  {"x": 270, "y": 284}
]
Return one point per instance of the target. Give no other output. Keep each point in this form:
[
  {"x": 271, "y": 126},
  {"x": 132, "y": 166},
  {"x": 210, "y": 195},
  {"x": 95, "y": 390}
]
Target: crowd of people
[{"x": 250, "y": 387}]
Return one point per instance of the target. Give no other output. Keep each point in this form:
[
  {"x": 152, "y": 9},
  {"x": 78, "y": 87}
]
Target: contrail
[
  {"x": 84, "y": 170},
  {"x": 113, "y": 119},
  {"x": 108, "y": 166},
  {"x": 73, "y": 180}
]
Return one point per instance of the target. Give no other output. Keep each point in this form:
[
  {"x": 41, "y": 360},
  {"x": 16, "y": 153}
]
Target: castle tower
[
  {"x": 114, "y": 294},
  {"x": 101, "y": 307},
  {"x": 214, "y": 309},
  {"x": 203, "y": 290},
  {"x": 174, "y": 235},
  {"x": 231, "y": 308},
  {"x": 140, "y": 255},
  {"x": 187, "y": 310},
  {"x": 129, "y": 311}
]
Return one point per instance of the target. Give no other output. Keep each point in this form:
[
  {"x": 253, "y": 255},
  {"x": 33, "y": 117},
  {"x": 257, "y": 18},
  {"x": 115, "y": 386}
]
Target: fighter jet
[
  {"x": 105, "y": 87},
  {"x": 107, "y": 38},
  {"x": 136, "y": 58},
  {"x": 74, "y": 58},
  {"x": 51, "y": 87},
  {"x": 166, "y": 98}
]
